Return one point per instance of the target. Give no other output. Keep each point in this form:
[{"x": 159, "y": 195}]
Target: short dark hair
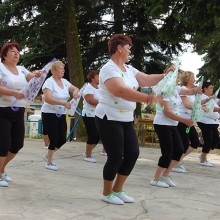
[
  {"x": 92, "y": 74},
  {"x": 206, "y": 85},
  {"x": 118, "y": 39},
  {"x": 5, "y": 48}
]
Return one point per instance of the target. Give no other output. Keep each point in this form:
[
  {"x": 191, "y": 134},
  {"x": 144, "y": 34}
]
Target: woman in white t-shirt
[
  {"x": 165, "y": 124},
  {"x": 90, "y": 100},
  {"x": 56, "y": 94},
  {"x": 13, "y": 79},
  {"x": 118, "y": 84},
  {"x": 208, "y": 124},
  {"x": 190, "y": 140}
]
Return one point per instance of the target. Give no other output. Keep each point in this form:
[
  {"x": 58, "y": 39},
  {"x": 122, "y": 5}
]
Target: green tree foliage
[
  {"x": 195, "y": 22},
  {"x": 206, "y": 37},
  {"x": 158, "y": 30},
  {"x": 39, "y": 26}
]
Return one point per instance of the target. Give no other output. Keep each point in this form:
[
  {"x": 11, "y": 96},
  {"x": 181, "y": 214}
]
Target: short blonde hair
[
  {"x": 56, "y": 64},
  {"x": 185, "y": 77}
]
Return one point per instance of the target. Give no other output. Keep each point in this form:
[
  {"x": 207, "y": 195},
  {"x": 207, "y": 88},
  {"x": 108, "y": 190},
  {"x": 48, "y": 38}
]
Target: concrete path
[{"x": 73, "y": 192}]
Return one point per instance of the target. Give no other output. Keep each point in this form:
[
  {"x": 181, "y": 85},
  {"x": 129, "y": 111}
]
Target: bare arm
[
  {"x": 186, "y": 102},
  {"x": 152, "y": 79},
  {"x": 11, "y": 92},
  {"x": 192, "y": 91},
  {"x": 189, "y": 106},
  {"x": 216, "y": 109},
  {"x": 49, "y": 99},
  {"x": 117, "y": 87},
  {"x": 74, "y": 90},
  {"x": 91, "y": 100},
  {"x": 148, "y": 80},
  {"x": 35, "y": 73},
  {"x": 170, "y": 114}
]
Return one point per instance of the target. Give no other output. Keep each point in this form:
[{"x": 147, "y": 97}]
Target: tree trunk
[
  {"x": 118, "y": 16},
  {"x": 73, "y": 54}
]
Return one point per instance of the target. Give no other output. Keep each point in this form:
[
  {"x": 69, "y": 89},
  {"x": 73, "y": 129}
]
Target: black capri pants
[
  {"x": 210, "y": 136},
  {"x": 170, "y": 144},
  {"x": 44, "y": 125},
  {"x": 192, "y": 138},
  {"x": 56, "y": 128},
  {"x": 92, "y": 132},
  {"x": 11, "y": 130},
  {"x": 120, "y": 142}
]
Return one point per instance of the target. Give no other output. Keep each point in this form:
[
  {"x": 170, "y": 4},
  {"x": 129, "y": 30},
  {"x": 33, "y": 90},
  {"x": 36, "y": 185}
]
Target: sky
[{"x": 191, "y": 61}]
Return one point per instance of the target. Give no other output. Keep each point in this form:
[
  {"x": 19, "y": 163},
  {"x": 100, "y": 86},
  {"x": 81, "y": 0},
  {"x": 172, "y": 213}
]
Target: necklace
[{"x": 122, "y": 73}]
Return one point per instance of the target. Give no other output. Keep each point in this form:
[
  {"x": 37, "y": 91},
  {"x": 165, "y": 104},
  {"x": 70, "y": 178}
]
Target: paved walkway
[{"x": 73, "y": 192}]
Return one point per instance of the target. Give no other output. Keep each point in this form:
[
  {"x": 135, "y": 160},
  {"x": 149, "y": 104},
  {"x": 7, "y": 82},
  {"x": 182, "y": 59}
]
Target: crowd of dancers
[{"x": 110, "y": 99}]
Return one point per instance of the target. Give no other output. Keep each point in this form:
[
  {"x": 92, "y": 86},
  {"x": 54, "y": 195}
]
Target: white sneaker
[
  {"x": 182, "y": 166},
  {"x": 178, "y": 170},
  {"x": 3, "y": 183},
  {"x": 206, "y": 164},
  {"x": 159, "y": 183},
  {"x": 6, "y": 177},
  {"x": 124, "y": 197},
  {"x": 111, "y": 198},
  {"x": 168, "y": 180},
  {"x": 51, "y": 166},
  {"x": 90, "y": 159},
  {"x": 103, "y": 153}
]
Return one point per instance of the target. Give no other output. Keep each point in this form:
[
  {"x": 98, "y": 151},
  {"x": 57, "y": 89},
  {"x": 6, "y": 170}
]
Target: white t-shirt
[
  {"x": 208, "y": 118},
  {"x": 15, "y": 82},
  {"x": 116, "y": 108},
  {"x": 184, "y": 112},
  {"x": 57, "y": 93},
  {"x": 88, "y": 109},
  {"x": 160, "y": 118}
]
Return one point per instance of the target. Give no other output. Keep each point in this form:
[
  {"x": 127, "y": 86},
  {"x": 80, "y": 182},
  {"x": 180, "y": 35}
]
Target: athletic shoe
[
  {"x": 103, "y": 153},
  {"x": 90, "y": 159},
  {"x": 3, "y": 183},
  {"x": 6, "y": 177},
  {"x": 111, "y": 198},
  {"x": 52, "y": 166},
  {"x": 159, "y": 183},
  {"x": 182, "y": 166},
  {"x": 124, "y": 197},
  {"x": 206, "y": 164},
  {"x": 178, "y": 170},
  {"x": 168, "y": 180}
]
